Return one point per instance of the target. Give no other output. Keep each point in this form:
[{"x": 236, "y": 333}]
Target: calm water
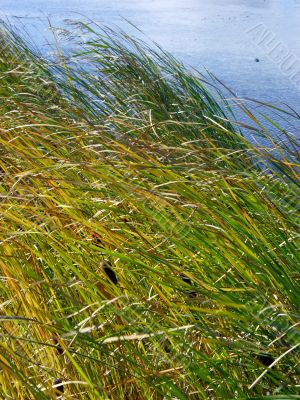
[{"x": 208, "y": 34}]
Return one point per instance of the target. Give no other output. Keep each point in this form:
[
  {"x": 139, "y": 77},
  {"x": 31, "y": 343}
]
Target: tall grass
[{"x": 148, "y": 249}]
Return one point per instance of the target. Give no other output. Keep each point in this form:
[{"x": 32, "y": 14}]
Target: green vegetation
[{"x": 148, "y": 249}]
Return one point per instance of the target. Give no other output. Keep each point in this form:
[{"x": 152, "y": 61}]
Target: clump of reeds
[{"x": 148, "y": 249}]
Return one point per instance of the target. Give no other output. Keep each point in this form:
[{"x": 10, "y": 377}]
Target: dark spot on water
[
  {"x": 265, "y": 358},
  {"x": 167, "y": 346},
  {"x": 97, "y": 241},
  {"x": 58, "y": 346},
  {"x": 59, "y": 389},
  {"x": 257, "y": 60},
  {"x": 187, "y": 280},
  {"x": 110, "y": 274}
]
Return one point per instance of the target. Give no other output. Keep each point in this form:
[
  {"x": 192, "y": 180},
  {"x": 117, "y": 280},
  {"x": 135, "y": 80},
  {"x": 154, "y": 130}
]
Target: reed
[{"x": 149, "y": 250}]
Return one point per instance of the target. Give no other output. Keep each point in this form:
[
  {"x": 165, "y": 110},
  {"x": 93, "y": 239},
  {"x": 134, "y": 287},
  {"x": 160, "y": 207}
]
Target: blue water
[{"x": 208, "y": 34}]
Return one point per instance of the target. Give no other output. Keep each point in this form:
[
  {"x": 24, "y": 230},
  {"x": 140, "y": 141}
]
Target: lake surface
[{"x": 222, "y": 36}]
